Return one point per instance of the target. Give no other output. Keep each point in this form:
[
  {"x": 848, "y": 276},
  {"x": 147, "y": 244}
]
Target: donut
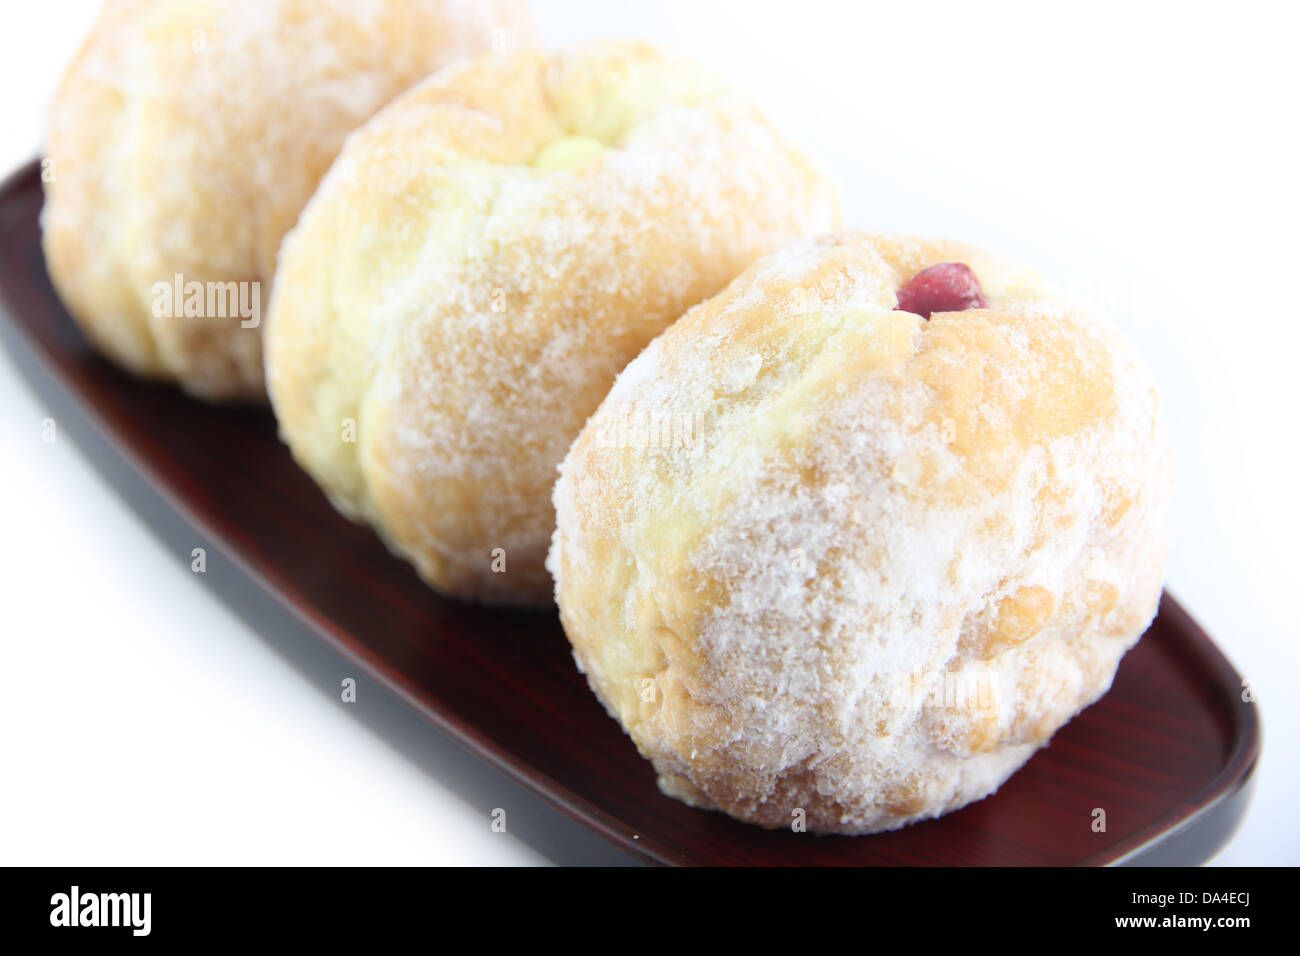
[
  {"x": 846, "y": 544},
  {"x": 484, "y": 257},
  {"x": 184, "y": 141}
]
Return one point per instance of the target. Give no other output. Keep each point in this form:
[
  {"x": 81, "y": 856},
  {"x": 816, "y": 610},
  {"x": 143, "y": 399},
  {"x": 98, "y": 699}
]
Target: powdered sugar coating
[
  {"x": 468, "y": 310},
  {"x": 187, "y": 136},
  {"x": 895, "y": 556}
]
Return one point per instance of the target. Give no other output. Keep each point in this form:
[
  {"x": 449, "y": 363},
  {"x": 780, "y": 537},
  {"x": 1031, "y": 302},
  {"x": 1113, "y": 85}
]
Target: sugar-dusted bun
[
  {"x": 485, "y": 256},
  {"x": 818, "y": 554},
  {"x": 187, "y": 136}
]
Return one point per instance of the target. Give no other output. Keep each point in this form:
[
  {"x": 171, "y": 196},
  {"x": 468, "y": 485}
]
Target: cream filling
[{"x": 569, "y": 152}]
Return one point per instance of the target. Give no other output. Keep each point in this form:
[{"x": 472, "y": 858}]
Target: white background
[{"x": 1142, "y": 155}]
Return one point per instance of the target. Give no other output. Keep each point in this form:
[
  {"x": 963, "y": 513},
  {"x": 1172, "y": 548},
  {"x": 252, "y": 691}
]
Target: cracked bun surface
[
  {"x": 184, "y": 141},
  {"x": 485, "y": 256},
  {"x": 818, "y": 554}
]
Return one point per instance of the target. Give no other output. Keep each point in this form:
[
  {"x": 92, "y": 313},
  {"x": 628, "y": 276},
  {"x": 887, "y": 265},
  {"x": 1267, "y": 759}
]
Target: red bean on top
[{"x": 947, "y": 287}]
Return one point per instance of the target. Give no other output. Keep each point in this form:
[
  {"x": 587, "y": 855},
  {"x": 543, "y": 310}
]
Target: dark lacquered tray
[{"x": 1168, "y": 753}]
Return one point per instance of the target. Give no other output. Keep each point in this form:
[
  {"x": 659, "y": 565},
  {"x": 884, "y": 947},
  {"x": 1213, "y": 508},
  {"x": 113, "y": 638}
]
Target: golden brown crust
[
  {"x": 894, "y": 555},
  {"x": 187, "y": 136},
  {"x": 485, "y": 256}
]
